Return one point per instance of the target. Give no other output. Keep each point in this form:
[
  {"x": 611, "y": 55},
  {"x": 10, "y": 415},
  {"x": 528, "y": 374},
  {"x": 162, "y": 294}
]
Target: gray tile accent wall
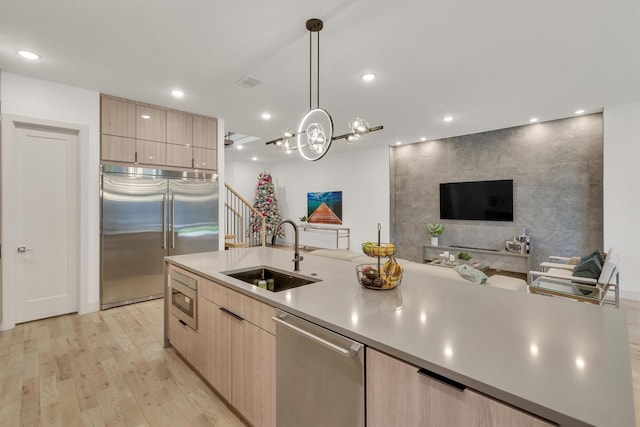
[{"x": 556, "y": 169}]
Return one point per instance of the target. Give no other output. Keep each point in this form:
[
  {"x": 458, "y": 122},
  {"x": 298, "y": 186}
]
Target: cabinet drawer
[
  {"x": 118, "y": 149},
  {"x": 214, "y": 292},
  {"x": 398, "y": 395},
  {"x": 186, "y": 341}
]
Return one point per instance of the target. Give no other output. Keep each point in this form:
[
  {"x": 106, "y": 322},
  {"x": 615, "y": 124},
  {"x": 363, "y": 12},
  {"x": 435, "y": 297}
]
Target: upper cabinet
[
  {"x": 205, "y": 132},
  {"x": 134, "y": 132},
  {"x": 151, "y": 123},
  {"x": 118, "y": 117}
]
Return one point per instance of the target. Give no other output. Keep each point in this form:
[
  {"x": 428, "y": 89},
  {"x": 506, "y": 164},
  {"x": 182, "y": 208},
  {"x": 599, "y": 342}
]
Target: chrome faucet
[{"x": 296, "y": 255}]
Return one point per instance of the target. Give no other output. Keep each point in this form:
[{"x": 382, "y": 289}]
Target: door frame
[{"x": 9, "y": 126}]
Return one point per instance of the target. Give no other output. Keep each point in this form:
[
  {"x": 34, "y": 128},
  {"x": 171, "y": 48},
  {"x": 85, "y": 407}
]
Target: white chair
[{"x": 557, "y": 280}]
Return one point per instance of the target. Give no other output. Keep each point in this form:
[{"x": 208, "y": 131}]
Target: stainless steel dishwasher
[{"x": 320, "y": 376}]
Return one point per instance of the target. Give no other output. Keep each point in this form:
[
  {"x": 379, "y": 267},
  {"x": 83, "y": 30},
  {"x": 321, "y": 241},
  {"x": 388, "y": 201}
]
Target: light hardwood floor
[
  {"x": 110, "y": 369},
  {"x": 101, "y": 369}
]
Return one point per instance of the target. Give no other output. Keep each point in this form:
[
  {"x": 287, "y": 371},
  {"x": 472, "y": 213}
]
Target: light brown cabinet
[
  {"x": 151, "y": 123},
  {"x": 239, "y": 351},
  {"x": 118, "y": 149},
  {"x": 186, "y": 341},
  {"x": 118, "y": 117},
  {"x": 398, "y": 395},
  {"x": 144, "y": 134},
  {"x": 205, "y": 132}
]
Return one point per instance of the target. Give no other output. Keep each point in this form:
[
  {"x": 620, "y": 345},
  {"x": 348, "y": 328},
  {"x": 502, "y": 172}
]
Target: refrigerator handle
[
  {"x": 173, "y": 221},
  {"x": 164, "y": 221}
]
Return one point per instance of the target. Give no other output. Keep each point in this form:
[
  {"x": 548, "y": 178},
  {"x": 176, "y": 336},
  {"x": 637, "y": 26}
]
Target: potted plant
[
  {"x": 464, "y": 257},
  {"x": 303, "y": 219},
  {"x": 434, "y": 230}
]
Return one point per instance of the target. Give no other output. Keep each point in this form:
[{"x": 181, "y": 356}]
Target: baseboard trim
[{"x": 631, "y": 295}]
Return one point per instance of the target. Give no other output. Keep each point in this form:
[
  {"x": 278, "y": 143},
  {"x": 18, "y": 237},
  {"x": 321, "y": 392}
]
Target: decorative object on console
[
  {"x": 303, "y": 219},
  {"x": 315, "y": 130},
  {"x": 324, "y": 208},
  {"x": 520, "y": 244},
  {"x": 464, "y": 256},
  {"x": 434, "y": 230}
]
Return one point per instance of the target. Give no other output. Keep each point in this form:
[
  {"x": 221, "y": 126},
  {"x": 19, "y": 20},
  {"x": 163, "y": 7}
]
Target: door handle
[
  {"x": 442, "y": 379},
  {"x": 173, "y": 221},
  {"x": 22, "y": 249},
  {"x": 164, "y": 221},
  {"x": 350, "y": 352}
]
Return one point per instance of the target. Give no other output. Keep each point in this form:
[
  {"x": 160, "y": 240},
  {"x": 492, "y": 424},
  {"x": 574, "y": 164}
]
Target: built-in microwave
[{"x": 184, "y": 298}]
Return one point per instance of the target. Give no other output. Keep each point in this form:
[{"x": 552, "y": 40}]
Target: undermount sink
[{"x": 282, "y": 280}]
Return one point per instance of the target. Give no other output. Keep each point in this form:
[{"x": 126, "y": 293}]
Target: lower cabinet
[
  {"x": 239, "y": 357},
  {"x": 398, "y": 395},
  {"x": 186, "y": 341}
]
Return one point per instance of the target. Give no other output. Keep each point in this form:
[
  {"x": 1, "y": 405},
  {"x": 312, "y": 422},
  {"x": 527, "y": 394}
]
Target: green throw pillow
[
  {"x": 591, "y": 268},
  {"x": 595, "y": 253}
]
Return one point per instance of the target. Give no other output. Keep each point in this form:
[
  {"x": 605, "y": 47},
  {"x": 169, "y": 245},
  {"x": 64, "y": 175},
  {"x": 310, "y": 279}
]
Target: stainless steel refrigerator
[{"x": 147, "y": 214}]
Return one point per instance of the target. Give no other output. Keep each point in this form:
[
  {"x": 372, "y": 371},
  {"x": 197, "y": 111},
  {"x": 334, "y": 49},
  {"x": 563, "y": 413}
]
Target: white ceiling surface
[{"x": 489, "y": 63}]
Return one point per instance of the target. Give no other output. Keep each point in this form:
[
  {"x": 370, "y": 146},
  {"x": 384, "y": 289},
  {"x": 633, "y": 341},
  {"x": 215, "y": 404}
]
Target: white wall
[
  {"x": 52, "y": 102},
  {"x": 621, "y": 192},
  {"x": 361, "y": 175}
]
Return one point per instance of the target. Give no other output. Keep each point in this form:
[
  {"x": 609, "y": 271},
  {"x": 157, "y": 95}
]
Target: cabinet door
[
  {"x": 186, "y": 341},
  {"x": 118, "y": 149},
  {"x": 179, "y": 155},
  {"x": 253, "y": 373},
  {"x": 179, "y": 128},
  {"x": 216, "y": 331},
  {"x": 151, "y": 123},
  {"x": 397, "y": 395},
  {"x": 204, "y": 158},
  {"x": 151, "y": 153},
  {"x": 118, "y": 117},
  {"x": 205, "y": 132}
]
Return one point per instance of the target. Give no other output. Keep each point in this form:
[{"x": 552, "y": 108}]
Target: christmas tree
[{"x": 267, "y": 204}]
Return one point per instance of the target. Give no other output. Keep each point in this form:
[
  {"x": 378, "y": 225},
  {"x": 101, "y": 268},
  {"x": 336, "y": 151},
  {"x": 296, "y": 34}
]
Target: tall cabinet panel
[
  {"x": 151, "y": 123},
  {"x": 118, "y": 117}
]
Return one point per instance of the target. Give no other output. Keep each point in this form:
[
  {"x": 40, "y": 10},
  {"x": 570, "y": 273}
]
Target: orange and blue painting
[{"x": 324, "y": 208}]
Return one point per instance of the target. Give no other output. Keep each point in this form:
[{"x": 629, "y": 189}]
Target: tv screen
[{"x": 479, "y": 200}]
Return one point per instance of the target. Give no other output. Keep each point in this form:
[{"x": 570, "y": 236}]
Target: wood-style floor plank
[{"x": 110, "y": 369}]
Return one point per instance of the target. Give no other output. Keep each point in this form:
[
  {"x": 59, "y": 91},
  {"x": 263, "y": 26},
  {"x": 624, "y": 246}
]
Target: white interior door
[{"x": 46, "y": 223}]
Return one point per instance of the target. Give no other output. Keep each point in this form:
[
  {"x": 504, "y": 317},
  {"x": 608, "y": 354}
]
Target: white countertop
[{"x": 563, "y": 360}]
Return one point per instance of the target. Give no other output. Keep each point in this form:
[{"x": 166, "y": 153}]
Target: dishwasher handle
[{"x": 350, "y": 352}]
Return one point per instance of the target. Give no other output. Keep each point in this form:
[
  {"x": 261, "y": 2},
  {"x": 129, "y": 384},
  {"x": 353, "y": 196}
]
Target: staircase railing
[{"x": 242, "y": 222}]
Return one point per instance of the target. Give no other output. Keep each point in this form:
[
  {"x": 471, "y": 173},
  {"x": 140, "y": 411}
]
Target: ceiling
[{"x": 489, "y": 64}]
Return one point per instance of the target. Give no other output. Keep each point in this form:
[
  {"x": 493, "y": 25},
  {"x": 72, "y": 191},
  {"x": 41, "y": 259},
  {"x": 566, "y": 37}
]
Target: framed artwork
[{"x": 324, "y": 208}]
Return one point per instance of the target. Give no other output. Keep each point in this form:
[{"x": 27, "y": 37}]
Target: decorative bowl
[
  {"x": 383, "y": 249},
  {"x": 389, "y": 276}
]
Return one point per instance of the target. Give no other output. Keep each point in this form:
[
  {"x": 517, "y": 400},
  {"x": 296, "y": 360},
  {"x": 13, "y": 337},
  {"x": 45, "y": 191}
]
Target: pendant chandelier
[{"x": 314, "y": 135}]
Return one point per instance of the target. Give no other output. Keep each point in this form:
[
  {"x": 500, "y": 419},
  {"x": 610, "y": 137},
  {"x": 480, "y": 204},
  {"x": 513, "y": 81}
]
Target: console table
[
  {"x": 497, "y": 260},
  {"x": 325, "y": 237}
]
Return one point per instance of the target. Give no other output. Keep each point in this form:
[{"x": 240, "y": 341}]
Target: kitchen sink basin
[{"x": 277, "y": 280}]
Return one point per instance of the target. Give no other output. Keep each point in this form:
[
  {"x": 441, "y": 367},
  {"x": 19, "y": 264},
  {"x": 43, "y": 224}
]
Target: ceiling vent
[{"x": 248, "y": 82}]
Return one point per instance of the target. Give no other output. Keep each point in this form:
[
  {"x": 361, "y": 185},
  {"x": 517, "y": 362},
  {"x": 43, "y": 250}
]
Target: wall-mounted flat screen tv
[{"x": 478, "y": 200}]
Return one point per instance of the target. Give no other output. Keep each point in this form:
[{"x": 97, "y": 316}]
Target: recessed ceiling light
[
  {"x": 579, "y": 111},
  {"x": 255, "y": 159},
  {"x": 145, "y": 116},
  {"x": 368, "y": 77},
  {"x": 266, "y": 116},
  {"x": 398, "y": 142},
  {"x": 448, "y": 118},
  {"x": 28, "y": 55},
  {"x": 177, "y": 93},
  {"x": 533, "y": 120},
  {"x": 240, "y": 147},
  {"x": 423, "y": 139}
]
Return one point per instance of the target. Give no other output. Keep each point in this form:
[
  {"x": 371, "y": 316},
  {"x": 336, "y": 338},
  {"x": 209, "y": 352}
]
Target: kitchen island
[{"x": 563, "y": 361}]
